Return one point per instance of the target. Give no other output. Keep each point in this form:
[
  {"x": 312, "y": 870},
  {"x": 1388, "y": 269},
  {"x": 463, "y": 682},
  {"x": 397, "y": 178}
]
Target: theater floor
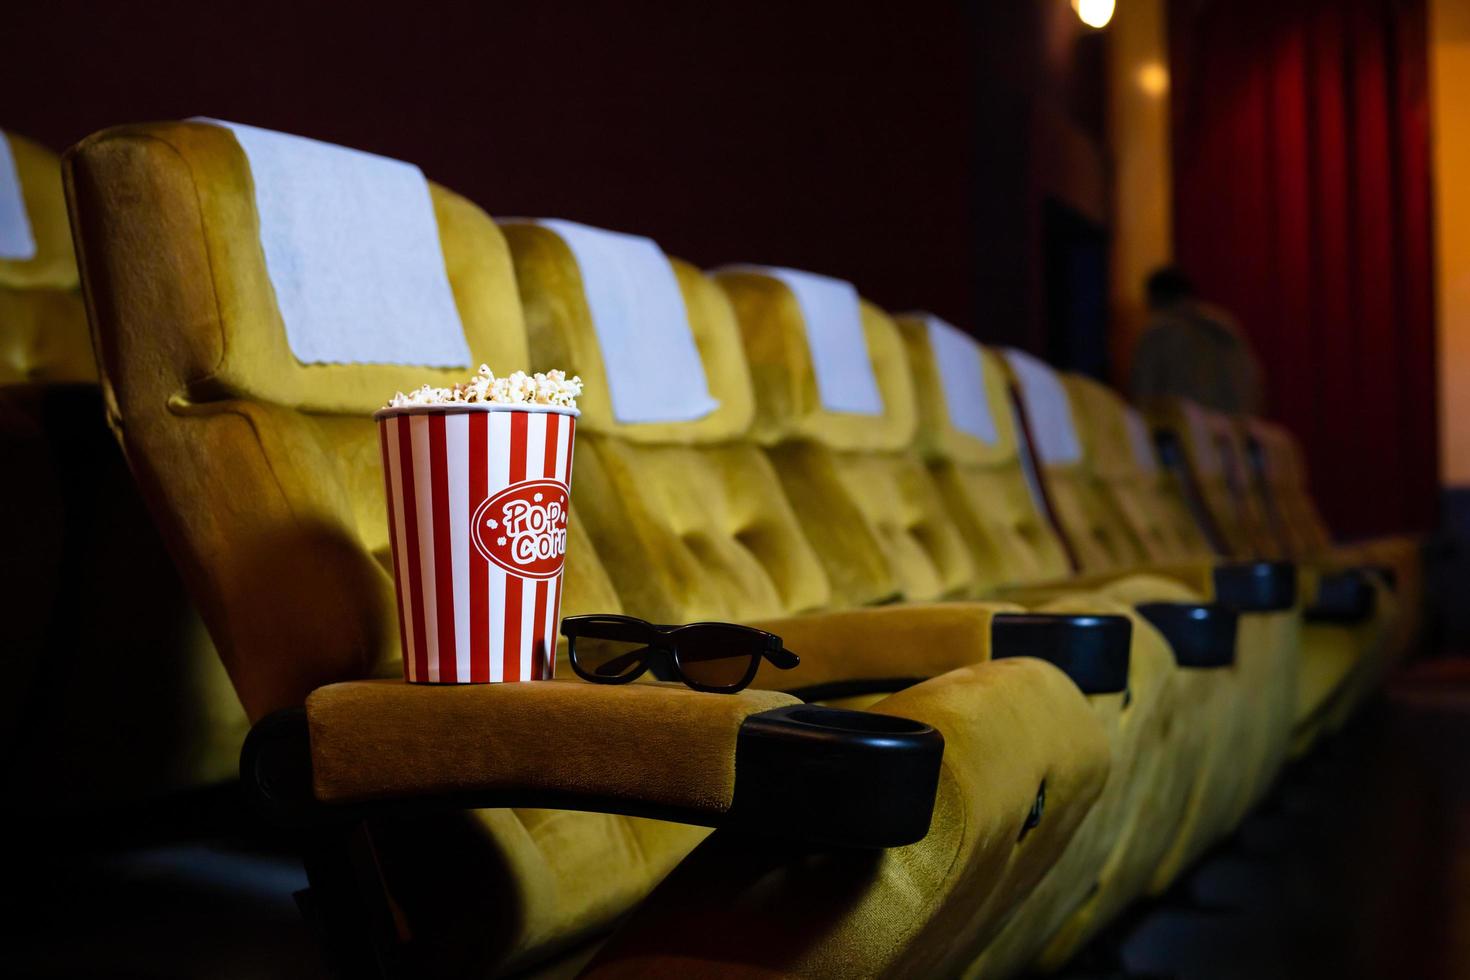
[{"x": 1358, "y": 866}]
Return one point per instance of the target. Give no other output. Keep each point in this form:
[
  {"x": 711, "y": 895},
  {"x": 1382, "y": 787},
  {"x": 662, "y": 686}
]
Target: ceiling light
[{"x": 1094, "y": 13}]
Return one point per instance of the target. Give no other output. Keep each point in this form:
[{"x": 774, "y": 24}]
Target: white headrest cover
[
  {"x": 1141, "y": 442},
  {"x": 16, "y": 241},
  {"x": 962, "y": 376},
  {"x": 654, "y": 371},
  {"x": 833, "y": 319},
  {"x": 1048, "y": 409},
  {"x": 352, "y": 249}
]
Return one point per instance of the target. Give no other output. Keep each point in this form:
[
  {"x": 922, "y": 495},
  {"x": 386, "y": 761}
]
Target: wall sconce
[{"x": 1153, "y": 78}]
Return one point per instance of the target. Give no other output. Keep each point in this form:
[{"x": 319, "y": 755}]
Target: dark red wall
[
  {"x": 1302, "y": 203},
  {"x": 837, "y": 138},
  {"x": 888, "y": 144}
]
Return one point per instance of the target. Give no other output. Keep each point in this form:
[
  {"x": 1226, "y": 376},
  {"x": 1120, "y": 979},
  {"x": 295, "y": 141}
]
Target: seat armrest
[
  {"x": 1200, "y": 634},
  {"x": 1092, "y": 650},
  {"x": 1184, "y": 581},
  {"x": 1256, "y": 586},
  {"x": 1245, "y": 586},
  {"x": 1026, "y": 758},
  {"x": 880, "y": 648},
  {"x": 888, "y": 648},
  {"x": 1346, "y": 596},
  {"x": 748, "y": 760}
]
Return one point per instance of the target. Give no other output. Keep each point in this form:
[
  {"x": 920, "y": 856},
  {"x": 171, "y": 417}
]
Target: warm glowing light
[
  {"x": 1153, "y": 78},
  {"x": 1094, "y": 13}
]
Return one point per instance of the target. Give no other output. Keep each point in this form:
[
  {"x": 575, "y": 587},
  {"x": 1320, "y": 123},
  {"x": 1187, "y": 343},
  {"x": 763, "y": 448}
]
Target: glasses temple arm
[{"x": 782, "y": 658}]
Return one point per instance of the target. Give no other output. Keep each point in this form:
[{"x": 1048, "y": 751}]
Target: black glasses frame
[{"x": 661, "y": 644}]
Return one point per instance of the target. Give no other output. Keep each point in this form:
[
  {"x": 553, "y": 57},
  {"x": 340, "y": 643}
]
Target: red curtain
[{"x": 1302, "y": 204}]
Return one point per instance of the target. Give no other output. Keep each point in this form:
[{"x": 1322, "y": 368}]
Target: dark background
[
  {"x": 941, "y": 154},
  {"x": 1303, "y": 204},
  {"x": 783, "y": 133},
  {"x": 888, "y": 144}
]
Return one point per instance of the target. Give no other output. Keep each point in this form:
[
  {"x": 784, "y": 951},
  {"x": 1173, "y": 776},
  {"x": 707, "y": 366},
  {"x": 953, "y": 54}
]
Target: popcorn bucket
[{"x": 478, "y": 500}]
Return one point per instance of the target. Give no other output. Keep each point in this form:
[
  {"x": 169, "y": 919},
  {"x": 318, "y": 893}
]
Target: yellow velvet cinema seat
[
  {"x": 1279, "y": 477},
  {"x": 1177, "y": 525},
  {"x": 1119, "y": 449},
  {"x": 1268, "y": 661},
  {"x": 838, "y": 457},
  {"x": 835, "y": 414},
  {"x": 1122, "y": 467},
  {"x": 1350, "y": 614},
  {"x": 673, "y": 484},
  {"x": 1217, "y": 472},
  {"x": 113, "y": 694},
  {"x": 1281, "y": 482},
  {"x": 262, "y": 471},
  {"x": 264, "y": 476},
  {"x": 45, "y": 338},
  {"x": 972, "y": 447},
  {"x": 1372, "y": 589},
  {"x": 990, "y": 486}
]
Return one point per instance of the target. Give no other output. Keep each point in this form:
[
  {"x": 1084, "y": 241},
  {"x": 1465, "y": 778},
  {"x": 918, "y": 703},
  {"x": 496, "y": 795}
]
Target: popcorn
[{"x": 551, "y": 388}]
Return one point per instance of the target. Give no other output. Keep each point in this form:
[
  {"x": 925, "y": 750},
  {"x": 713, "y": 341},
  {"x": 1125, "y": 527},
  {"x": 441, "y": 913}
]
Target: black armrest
[
  {"x": 803, "y": 772},
  {"x": 833, "y": 776},
  {"x": 1201, "y": 634},
  {"x": 1092, "y": 650},
  {"x": 1256, "y": 586},
  {"x": 1343, "y": 597}
]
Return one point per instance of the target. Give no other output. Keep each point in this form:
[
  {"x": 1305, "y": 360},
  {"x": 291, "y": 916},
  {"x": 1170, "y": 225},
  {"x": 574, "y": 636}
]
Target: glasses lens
[
  {"x": 716, "y": 656},
  {"x": 610, "y": 659}
]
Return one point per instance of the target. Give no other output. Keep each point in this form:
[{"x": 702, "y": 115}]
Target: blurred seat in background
[
  {"x": 113, "y": 695},
  {"x": 1352, "y": 617},
  {"x": 853, "y": 473},
  {"x": 977, "y": 451}
]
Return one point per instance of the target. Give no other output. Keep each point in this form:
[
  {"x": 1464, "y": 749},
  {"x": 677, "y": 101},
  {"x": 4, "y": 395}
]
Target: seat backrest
[
  {"x": 261, "y": 465},
  {"x": 1211, "y": 463},
  {"x": 691, "y": 519},
  {"x": 975, "y": 449},
  {"x": 1257, "y": 519},
  {"x": 1120, "y": 451},
  {"x": 1279, "y": 477},
  {"x": 1089, "y": 519},
  {"x": 44, "y": 336},
  {"x": 836, "y": 411}
]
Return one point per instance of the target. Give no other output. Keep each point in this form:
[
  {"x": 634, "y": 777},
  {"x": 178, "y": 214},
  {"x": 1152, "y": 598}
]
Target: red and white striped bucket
[{"x": 478, "y": 501}]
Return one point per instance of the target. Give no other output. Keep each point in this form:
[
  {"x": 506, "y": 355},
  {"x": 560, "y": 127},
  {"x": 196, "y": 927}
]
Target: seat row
[{"x": 1122, "y": 623}]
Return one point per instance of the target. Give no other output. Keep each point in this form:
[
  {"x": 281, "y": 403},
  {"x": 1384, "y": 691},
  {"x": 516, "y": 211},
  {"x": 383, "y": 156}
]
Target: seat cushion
[
  {"x": 1109, "y": 858},
  {"x": 492, "y": 892},
  {"x": 695, "y": 532},
  {"x": 1009, "y": 726}
]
